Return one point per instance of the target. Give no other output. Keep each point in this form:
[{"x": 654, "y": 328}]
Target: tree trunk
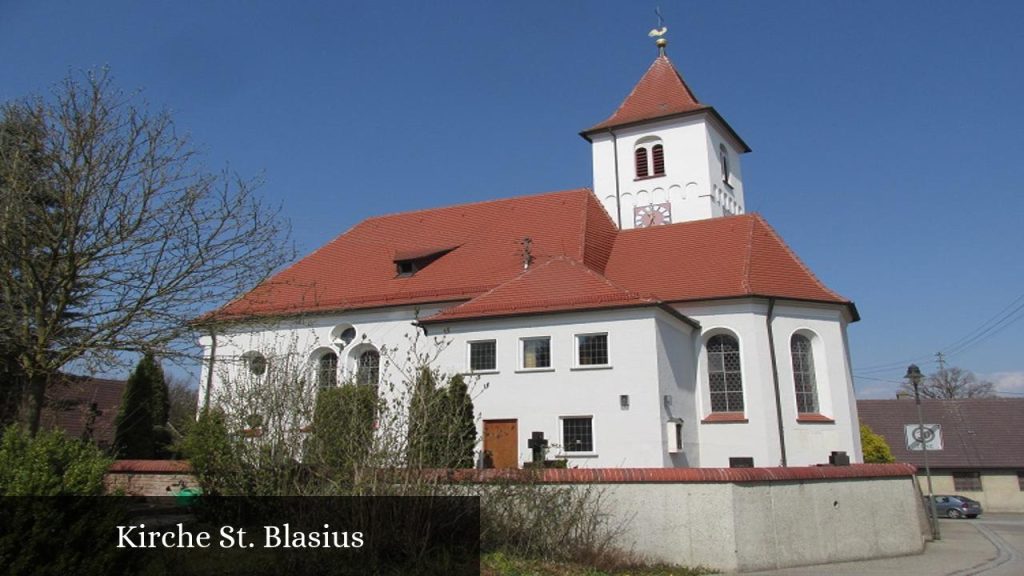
[{"x": 32, "y": 402}]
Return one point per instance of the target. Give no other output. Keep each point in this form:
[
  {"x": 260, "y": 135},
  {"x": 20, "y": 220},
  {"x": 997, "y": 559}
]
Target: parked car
[{"x": 954, "y": 506}]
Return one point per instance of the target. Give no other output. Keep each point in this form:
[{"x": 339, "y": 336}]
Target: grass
[{"x": 502, "y": 564}]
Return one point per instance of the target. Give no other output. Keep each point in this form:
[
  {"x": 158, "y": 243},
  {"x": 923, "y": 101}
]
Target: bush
[
  {"x": 51, "y": 464},
  {"x": 874, "y": 447}
]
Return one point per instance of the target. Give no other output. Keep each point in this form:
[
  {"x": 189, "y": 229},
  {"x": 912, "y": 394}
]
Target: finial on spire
[{"x": 659, "y": 32}]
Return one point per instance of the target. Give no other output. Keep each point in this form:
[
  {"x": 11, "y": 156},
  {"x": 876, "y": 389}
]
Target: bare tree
[
  {"x": 112, "y": 235},
  {"x": 952, "y": 383}
]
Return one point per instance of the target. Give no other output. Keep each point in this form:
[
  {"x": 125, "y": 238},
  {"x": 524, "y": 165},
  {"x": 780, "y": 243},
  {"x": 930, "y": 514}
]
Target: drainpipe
[
  {"x": 618, "y": 201},
  {"x": 775, "y": 379},
  {"x": 209, "y": 373}
]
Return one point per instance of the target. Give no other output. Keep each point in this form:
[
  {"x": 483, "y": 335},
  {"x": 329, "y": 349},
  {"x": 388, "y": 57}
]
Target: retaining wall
[
  {"x": 149, "y": 477},
  {"x": 730, "y": 519}
]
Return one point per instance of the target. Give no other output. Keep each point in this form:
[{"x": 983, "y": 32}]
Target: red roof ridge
[{"x": 814, "y": 278}]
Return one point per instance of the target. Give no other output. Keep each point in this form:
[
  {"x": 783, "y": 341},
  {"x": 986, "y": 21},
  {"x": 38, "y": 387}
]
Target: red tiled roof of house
[
  {"x": 976, "y": 433},
  {"x": 660, "y": 92},
  {"x": 581, "y": 261},
  {"x": 84, "y": 407},
  {"x": 559, "y": 284},
  {"x": 714, "y": 258}
]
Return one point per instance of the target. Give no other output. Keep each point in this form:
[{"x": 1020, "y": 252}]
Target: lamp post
[{"x": 915, "y": 377}]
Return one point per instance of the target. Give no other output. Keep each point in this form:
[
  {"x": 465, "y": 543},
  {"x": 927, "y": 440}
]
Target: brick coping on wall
[{"x": 602, "y": 475}]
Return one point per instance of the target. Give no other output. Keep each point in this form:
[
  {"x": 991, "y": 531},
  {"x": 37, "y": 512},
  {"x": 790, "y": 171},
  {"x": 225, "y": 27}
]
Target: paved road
[{"x": 992, "y": 545}]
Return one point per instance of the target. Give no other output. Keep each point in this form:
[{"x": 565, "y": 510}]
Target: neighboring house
[
  {"x": 975, "y": 447},
  {"x": 646, "y": 323},
  {"x": 84, "y": 407}
]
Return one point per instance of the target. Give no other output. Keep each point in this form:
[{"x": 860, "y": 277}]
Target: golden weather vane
[{"x": 659, "y": 32}]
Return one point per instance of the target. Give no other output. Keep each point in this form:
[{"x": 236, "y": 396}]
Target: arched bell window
[
  {"x": 658, "y": 159},
  {"x": 640, "y": 158}
]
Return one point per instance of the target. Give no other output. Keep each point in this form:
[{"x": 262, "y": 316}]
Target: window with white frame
[
  {"x": 483, "y": 356},
  {"x": 723, "y": 157},
  {"x": 804, "y": 381},
  {"x": 592, "y": 349},
  {"x": 578, "y": 434},
  {"x": 725, "y": 374},
  {"x": 536, "y": 352}
]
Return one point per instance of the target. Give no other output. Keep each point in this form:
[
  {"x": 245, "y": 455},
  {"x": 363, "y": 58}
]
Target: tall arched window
[
  {"x": 368, "y": 368},
  {"x": 725, "y": 376},
  {"x": 640, "y": 155},
  {"x": 723, "y": 156},
  {"x": 658, "y": 159},
  {"x": 327, "y": 370},
  {"x": 803, "y": 374}
]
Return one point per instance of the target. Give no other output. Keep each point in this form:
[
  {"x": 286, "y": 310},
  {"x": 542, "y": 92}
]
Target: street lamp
[{"x": 915, "y": 377}]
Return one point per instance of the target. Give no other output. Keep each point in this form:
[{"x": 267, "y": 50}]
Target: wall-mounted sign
[{"x": 927, "y": 437}]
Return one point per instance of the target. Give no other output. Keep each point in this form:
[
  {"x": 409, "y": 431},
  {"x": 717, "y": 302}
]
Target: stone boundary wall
[
  {"x": 729, "y": 519},
  {"x": 148, "y": 477}
]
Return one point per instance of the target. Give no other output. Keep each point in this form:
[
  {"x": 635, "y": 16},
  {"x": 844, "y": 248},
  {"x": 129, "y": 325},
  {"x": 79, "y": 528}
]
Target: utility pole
[{"x": 942, "y": 361}]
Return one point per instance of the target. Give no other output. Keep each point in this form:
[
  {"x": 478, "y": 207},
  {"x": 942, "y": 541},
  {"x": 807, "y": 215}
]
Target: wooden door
[{"x": 501, "y": 444}]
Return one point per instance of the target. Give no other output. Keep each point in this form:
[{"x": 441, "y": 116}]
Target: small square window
[
  {"x": 592, "y": 349},
  {"x": 537, "y": 352},
  {"x": 967, "y": 481},
  {"x": 578, "y": 434},
  {"x": 483, "y": 356}
]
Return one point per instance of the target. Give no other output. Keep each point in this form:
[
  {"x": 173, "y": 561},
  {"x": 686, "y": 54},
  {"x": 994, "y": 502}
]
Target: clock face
[{"x": 652, "y": 215}]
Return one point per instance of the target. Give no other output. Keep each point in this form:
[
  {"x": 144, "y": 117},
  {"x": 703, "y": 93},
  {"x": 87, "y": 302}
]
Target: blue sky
[{"x": 887, "y": 136}]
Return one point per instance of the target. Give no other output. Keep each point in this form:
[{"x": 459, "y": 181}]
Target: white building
[{"x": 646, "y": 323}]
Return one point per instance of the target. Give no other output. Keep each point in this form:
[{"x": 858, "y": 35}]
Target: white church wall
[
  {"x": 677, "y": 368},
  {"x": 538, "y": 400}
]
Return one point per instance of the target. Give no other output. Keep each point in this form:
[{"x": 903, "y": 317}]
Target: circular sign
[{"x": 923, "y": 435}]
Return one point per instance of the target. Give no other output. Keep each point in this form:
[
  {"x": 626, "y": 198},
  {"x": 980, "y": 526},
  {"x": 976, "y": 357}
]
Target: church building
[{"x": 646, "y": 322}]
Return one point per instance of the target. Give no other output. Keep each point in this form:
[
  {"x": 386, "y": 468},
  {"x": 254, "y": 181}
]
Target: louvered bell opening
[
  {"x": 658, "y": 157},
  {"x": 641, "y": 162}
]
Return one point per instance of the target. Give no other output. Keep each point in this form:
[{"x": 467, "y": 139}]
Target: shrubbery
[{"x": 50, "y": 464}]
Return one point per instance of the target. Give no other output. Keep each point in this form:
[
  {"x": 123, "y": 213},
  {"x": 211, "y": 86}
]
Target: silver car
[{"x": 955, "y": 506}]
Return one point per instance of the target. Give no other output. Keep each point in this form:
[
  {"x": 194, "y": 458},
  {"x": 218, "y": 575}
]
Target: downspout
[
  {"x": 209, "y": 373},
  {"x": 618, "y": 201},
  {"x": 775, "y": 379}
]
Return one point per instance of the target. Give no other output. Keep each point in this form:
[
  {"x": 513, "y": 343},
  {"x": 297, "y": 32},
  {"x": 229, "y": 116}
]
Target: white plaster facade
[
  {"x": 655, "y": 358},
  {"x": 694, "y": 183}
]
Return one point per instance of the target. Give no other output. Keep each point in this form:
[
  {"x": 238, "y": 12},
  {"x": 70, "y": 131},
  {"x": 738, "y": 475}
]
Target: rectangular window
[
  {"x": 1020, "y": 480},
  {"x": 967, "y": 481},
  {"x": 675, "y": 437},
  {"x": 578, "y": 434},
  {"x": 536, "y": 352},
  {"x": 592, "y": 349},
  {"x": 483, "y": 356}
]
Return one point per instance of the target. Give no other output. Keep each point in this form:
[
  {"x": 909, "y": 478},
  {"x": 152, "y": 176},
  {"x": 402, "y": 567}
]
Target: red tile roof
[
  {"x": 580, "y": 261},
  {"x": 559, "y": 284},
  {"x": 80, "y": 405},
  {"x": 977, "y": 433},
  {"x": 660, "y": 93}
]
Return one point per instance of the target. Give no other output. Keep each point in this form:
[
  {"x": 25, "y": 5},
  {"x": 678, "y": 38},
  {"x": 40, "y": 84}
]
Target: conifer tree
[{"x": 141, "y": 423}]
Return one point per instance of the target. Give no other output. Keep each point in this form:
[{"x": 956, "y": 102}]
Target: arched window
[
  {"x": 723, "y": 156},
  {"x": 368, "y": 368},
  {"x": 658, "y": 159},
  {"x": 725, "y": 377},
  {"x": 327, "y": 370},
  {"x": 640, "y": 155},
  {"x": 803, "y": 374}
]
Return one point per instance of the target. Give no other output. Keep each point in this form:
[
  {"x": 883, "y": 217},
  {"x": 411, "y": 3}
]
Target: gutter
[{"x": 775, "y": 379}]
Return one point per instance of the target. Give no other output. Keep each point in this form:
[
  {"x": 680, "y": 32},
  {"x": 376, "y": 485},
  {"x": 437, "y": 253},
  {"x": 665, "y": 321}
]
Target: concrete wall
[
  {"x": 1000, "y": 489},
  {"x": 738, "y": 520}
]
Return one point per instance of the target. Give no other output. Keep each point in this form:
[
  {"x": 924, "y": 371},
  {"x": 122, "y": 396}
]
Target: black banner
[{"x": 207, "y": 535}]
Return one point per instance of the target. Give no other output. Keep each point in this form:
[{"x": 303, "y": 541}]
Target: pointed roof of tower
[{"x": 660, "y": 93}]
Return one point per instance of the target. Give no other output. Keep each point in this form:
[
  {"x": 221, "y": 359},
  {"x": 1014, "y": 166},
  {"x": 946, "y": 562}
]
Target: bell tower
[{"x": 663, "y": 156}]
